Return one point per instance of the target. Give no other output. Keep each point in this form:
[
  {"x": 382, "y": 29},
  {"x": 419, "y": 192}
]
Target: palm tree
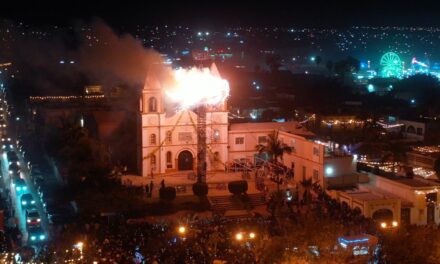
[{"x": 275, "y": 149}]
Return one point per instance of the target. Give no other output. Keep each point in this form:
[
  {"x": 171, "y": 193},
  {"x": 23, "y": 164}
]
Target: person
[
  {"x": 147, "y": 189},
  {"x": 151, "y": 188},
  {"x": 162, "y": 183},
  {"x": 152, "y": 176}
]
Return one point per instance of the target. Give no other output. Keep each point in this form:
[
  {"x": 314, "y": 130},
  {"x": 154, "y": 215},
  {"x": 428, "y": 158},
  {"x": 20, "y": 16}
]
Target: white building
[{"x": 169, "y": 141}]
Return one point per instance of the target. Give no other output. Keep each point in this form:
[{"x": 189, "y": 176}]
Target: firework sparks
[{"x": 194, "y": 87}]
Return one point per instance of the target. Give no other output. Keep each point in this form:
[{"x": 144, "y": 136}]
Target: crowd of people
[{"x": 119, "y": 241}]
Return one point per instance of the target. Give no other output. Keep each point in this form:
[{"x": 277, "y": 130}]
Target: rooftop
[
  {"x": 414, "y": 182},
  {"x": 369, "y": 195},
  {"x": 290, "y": 127}
]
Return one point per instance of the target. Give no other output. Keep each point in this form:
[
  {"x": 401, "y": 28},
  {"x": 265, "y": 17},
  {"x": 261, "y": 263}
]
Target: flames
[{"x": 193, "y": 87}]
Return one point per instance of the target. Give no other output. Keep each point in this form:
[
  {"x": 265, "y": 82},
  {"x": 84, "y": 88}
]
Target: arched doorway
[
  {"x": 185, "y": 160},
  {"x": 383, "y": 215}
]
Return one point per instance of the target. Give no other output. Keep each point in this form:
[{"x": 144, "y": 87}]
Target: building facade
[{"x": 169, "y": 137}]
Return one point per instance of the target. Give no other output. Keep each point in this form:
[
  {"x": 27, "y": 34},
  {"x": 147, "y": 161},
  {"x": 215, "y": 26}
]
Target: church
[{"x": 169, "y": 138}]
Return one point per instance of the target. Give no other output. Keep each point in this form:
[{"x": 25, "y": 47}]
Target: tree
[
  {"x": 274, "y": 147},
  {"x": 85, "y": 158},
  {"x": 421, "y": 245},
  {"x": 437, "y": 167},
  {"x": 200, "y": 189},
  {"x": 347, "y": 66}
]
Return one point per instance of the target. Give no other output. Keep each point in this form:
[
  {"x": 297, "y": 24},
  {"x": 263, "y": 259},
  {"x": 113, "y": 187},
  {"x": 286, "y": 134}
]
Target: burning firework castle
[{"x": 169, "y": 137}]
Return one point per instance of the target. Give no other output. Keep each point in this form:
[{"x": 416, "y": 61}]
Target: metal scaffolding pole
[{"x": 201, "y": 143}]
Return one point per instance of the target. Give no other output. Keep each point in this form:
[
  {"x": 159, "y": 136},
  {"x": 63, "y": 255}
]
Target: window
[
  {"x": 152, "y": 104},
  {"x": 262, "y": 139},
  {"x": 153, "y": 139},
  {"x": 169, "y": 161},
  {"x": 216, "y": 135},
  {"x": 239, "y": 140},
  {"x": 153, "y": 161},
  {"x": 315, "y": 175},
  {"x": 316, "y": 151},
  {"x": 169, "y": 137}
]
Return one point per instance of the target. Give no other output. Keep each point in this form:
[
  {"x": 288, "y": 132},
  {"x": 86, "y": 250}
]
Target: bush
[
  {"x": 200, "y": 189},
  {"x": 238, "y": 187},
  {"x": 167, "y": 193}
]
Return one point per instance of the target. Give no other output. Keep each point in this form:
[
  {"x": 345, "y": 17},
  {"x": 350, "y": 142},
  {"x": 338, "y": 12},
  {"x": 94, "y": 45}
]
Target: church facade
[{"x": 169, "y": 140}]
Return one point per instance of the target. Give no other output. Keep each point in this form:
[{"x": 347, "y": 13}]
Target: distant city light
[
  {"x": 61, "y": 62},
  {"x": 371, "y": 88},
  {"x": 228, "y": 34},
  {"x": 207, "y": 33},
  {"x": 72, "y": 62},
  {"x": 413, "y": 101},
  {"x": 199, "y": 33},
  {"x": 312, "y": 58}
]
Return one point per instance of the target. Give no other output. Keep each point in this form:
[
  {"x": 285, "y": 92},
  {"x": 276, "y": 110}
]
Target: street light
[
  {"x": 395, "y": 224},
  {"x": 239, "y": 236},
  {"x": 251, "y": 235},
  {"x": 182, "y": 230},
  {"x": 383, "y": 225}
]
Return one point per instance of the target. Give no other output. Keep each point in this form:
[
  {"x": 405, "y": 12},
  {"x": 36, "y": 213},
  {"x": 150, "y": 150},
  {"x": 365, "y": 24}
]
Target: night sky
[{"x": 340, "y": 13}]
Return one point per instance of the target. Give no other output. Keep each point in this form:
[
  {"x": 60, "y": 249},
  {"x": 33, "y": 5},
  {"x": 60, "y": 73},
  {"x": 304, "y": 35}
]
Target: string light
[
  {"x": 419, "y": 192},
  {"x": 65, "y": 98},
  {"x": 427, "y": 149},
  {"x": 341, "y": 122}
]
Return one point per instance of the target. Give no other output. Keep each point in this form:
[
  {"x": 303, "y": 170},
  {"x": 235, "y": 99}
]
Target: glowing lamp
[
  {"x": 329, "y": 171},
  {"x": 182, "y": 230},
  {"x": 239, "y": 236}
]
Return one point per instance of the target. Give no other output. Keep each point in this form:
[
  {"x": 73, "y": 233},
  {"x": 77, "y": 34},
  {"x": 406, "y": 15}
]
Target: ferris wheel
[{"x": 391, "y": 65}]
